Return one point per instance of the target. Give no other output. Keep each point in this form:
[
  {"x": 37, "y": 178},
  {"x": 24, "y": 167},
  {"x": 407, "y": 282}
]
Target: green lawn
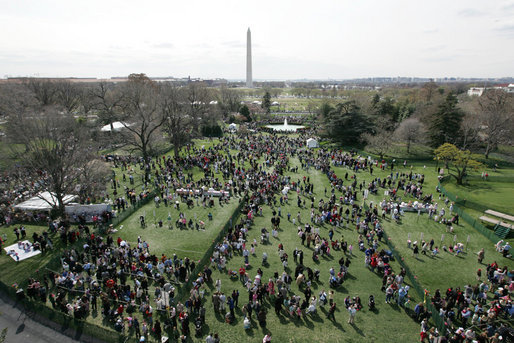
[
  {"x": 370, "y": 326},
  {"x": 457, "y": 270},
  {"x": 498, "y": 196},
  {"x": 19, "y": 272},
  {"x": 184, "y": 242},
  {"x": 441, "y": 272}
]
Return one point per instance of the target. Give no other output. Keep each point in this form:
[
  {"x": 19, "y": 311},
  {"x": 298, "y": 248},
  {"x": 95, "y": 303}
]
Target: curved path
[{"x": 23, "y": 326}]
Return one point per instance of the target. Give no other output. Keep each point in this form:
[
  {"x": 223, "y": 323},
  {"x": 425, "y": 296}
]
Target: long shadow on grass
[
  {"x": 249, "y": 332},
  {"x": 316, "y": 318},
  {"x": 359, "y": 331},
  {"x": 308, "y": 323},
  {"x": 338, "y": 326}
]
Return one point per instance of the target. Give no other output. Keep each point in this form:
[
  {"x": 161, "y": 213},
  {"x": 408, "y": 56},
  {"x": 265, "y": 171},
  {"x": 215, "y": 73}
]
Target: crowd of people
[{"x": 138, "y": 290}]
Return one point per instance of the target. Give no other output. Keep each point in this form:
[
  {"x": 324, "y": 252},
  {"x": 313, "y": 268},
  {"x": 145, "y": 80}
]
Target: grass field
[
  {"x": 370, "y": 326},
  {"x": 388, "y": 323},
  {"x": 493, "y": 194}
]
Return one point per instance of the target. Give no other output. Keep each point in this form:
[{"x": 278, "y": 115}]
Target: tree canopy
[
  {"x": 345, "y": 123},
  {"x": 457, "y": 161},
  {"x": 445, "y": 123}
]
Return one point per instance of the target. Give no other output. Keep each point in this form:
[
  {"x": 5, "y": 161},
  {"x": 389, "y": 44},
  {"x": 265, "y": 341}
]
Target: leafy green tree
[
  {"x": 266, "y": 102},
  {"x": 324, "y": 109},
  {"x": 375, "y": 100},
  {"x": 445, "y": 124},
  {"x": 245, "y": 112},
  {"x": 457, "y": 161},
  {"x": 346, "y": 123}
]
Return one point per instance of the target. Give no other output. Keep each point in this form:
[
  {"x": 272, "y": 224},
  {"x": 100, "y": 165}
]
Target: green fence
[
  {"x": 476, "y": 224},
  {"x": 121, "y": 216},
  {"x": 205, "y": 260}
]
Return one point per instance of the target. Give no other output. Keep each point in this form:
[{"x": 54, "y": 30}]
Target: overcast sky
[{"x": 321, "y": 39}]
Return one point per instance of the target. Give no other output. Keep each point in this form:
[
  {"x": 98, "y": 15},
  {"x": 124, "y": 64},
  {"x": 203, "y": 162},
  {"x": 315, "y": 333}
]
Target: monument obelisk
[{"x": 249, "y": 81}]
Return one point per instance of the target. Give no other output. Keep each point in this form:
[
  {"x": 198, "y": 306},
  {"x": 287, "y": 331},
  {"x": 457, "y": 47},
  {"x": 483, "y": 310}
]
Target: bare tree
[
  {"x": 15, "y": 98},
  {"x": 178, "y": 122},
  {"x": 411, "y": 130},
  {"x": 108, "y": 101},
  {"x": 93, "y": 179},
  {"x": 43, "y": 89},
  {"x": 197, "y": 98},
  {"x": 471, "y": 123},
  {"x": 57, "y": 148},
  {"x": 142, "y": 116},
  {"x": 497, "y": 114},
  {"x": 87, "y": 99},
  {"x": 379, "y": 144},
  {"x": 67, "y": 95},
  {"x": 229, "y": 100}
]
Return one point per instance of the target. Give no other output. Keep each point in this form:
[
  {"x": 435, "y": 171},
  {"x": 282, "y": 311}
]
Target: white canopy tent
[
  {"x": 116, "y": 126},
  {"x": 43, "y": 202},
  {"x": 312, "y": 143},
  {"x": 232, "y": 126}
]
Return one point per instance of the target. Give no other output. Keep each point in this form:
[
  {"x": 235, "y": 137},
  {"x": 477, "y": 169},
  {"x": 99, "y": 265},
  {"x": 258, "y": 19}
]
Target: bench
[
  {"x": 493, "y": 221},
  {"x": 500, "y": 215}
]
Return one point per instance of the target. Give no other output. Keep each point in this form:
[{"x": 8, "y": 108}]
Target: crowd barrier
[{"x": 183, "y": 292}]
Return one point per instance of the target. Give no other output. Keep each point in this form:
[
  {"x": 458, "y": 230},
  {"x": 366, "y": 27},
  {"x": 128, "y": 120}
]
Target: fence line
[{"x": 206, "y": 259}]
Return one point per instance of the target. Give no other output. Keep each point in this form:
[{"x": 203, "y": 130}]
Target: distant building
[
  {"x": 476, "y": 91},
  {"x": 507, "y": 87}
]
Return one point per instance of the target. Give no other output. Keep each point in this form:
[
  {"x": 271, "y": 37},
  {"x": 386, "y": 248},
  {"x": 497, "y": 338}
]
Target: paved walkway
[{"x": 23, "y": 326}]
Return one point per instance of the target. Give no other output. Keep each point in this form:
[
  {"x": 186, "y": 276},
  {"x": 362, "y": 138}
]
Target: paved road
[{"x": 23, "y": 327}]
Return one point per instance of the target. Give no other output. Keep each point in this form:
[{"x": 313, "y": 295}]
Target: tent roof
[
  {"x": 117, "y": 125},
  {"x": 41, "y": 202},
  {"x": 311, "y": 140}
]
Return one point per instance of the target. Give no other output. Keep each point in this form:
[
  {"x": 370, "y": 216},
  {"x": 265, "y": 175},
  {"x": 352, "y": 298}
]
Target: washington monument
[{"x": 249, "y": 82}]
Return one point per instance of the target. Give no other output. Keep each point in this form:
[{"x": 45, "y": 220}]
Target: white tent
[
  {"x": 42, "y": 202},
  {"x": 117, "y": 126},
  {"x": 232, "y": 126},
  {"x": 312, "y": 143}
]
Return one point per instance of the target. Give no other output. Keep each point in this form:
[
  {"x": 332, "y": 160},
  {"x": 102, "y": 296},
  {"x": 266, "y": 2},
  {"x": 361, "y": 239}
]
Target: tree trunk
[
  {"x": 408, "y": 146},
  {"x": 61, "y": 209},
  {"x": 145, "y": 161},
  {"x": 487, "y": 150}
]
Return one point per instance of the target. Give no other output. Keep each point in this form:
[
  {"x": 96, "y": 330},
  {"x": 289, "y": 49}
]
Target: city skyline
[{"x": 332, "y": 40}]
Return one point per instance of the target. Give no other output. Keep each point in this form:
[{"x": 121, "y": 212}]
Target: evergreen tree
[
  {"x": 346, "y": 123},
  {"x": 445, "y": 124},
  {"x": 245, "y": 111},
  {"x": 266, "y": 102}
]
